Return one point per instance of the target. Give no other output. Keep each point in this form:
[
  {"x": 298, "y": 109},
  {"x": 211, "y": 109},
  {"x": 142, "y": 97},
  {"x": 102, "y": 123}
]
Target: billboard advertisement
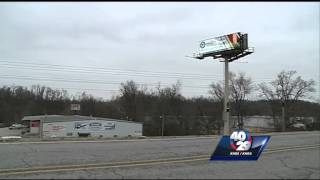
[{"x": 222, "y": 43}]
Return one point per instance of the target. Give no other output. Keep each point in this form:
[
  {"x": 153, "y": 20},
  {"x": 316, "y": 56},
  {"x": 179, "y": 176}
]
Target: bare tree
[
  {"x": 128, "y": 98},
  {"x": 240, "y": 87},
  {"x": 216, "y": 91},
  {"x": 287, "y": 90},
  {"x": 169, "y": 103}
]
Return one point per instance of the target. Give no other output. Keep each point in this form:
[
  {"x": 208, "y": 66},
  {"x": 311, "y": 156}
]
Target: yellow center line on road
[
  {"x": 104, "y": 164},
  {"x": 63, "y": 168},
  {"x": 102, "y": 167},
  {"x": 292, "y": 149},
  {"x": 109, "y": 141}
]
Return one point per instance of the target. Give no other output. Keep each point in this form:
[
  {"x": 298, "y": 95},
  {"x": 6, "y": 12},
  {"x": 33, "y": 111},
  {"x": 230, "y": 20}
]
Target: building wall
[
  {"x": 35, "y": 126},
  {"x": 96, "y": 128}
]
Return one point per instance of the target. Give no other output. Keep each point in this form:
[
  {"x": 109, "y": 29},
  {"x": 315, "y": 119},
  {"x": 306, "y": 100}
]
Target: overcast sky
[{"x": 152, "y": 37}]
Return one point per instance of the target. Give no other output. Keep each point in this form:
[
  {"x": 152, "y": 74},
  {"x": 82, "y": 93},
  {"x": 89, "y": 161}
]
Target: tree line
[{"x": 164, "y": 110}]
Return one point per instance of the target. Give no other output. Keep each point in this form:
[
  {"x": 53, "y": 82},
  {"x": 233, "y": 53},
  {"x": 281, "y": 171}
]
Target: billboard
[{"x": 234, "y": 41}]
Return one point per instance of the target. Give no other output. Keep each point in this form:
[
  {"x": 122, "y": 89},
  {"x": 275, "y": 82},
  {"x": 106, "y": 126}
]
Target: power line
[
  {"x": 211, "y": 79},
  {"x": 88, "y": 81},
  {"x": 68, "y": 68},
  {"x": 81, "y": 69},
  {"x": 252, "y": 94},
  {"x": 93, "y": 70},
  {"x": 109, "y": 90},
  {"x": 94, "y": 89},
  {"x": 99, "y": 69},
  {"x": 98, "y": 82},
  {"x": 111, "y": 73}
]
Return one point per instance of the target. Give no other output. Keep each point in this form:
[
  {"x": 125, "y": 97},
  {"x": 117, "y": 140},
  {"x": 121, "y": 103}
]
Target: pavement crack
[
  {"x": 308, "y": 171},
  {"x": 278, "y": 176},
  {"x": 25, "y": 162},
  {"x": 91, "y": 174},
  {"x": 307, "y": 167},
  {"x": 95, "y": 156},
  {"x": 286, "y": 165},
  {"x": 25, "y": 154},
  {"x": 113, "y": 170},
  {"x": 31, "y": 148}
]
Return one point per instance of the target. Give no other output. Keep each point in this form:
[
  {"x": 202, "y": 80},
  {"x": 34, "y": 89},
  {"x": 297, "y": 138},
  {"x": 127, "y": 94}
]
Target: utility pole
[
  {"x": 283, "y": 121},
  {"x": 226, "y": 129},
  {"x": 162, "y": 126},
  {"x": 41, "y": 126}
]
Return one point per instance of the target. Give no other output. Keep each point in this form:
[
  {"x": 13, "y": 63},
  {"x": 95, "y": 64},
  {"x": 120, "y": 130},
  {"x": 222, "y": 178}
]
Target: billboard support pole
[
  {"x": 240, "y": 50},
  {"x": 226, "y": 129}
]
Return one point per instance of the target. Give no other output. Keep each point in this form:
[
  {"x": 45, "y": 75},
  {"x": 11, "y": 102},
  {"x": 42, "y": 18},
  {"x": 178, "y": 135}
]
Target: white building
[{"x": 75, "y": 126}]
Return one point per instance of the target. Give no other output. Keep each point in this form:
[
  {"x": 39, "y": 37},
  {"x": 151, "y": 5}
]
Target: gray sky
[{"x": 153, "y": 37}]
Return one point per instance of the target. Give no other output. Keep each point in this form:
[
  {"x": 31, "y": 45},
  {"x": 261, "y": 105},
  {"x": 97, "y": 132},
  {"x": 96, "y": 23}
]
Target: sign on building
[{"x": 95, "y": 126}]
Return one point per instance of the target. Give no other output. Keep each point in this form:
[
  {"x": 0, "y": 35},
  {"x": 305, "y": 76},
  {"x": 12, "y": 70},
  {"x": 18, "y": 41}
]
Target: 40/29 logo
[
  {"x": 240, "y": 140},
  {"x": 240, "y": 145}
]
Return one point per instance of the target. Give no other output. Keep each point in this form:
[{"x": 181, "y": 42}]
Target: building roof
[{"x": 68, "y": 118}]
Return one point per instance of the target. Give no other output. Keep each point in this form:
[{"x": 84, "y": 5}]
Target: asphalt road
[{"x": 167, "y": 158}]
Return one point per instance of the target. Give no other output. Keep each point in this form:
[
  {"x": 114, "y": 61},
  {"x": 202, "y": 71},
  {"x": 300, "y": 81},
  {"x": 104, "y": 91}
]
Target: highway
[{"x": 287, "y": 156}]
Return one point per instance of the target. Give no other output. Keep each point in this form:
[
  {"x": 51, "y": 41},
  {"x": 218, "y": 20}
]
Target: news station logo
[{"x": 240, "y": 145}]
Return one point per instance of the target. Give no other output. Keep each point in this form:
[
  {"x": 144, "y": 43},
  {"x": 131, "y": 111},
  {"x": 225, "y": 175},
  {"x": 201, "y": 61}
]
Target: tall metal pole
[
  {"x": 283, "y": 121},
  {"x": 162, "y": 127},
  {"x": 226, "y": 130}
]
